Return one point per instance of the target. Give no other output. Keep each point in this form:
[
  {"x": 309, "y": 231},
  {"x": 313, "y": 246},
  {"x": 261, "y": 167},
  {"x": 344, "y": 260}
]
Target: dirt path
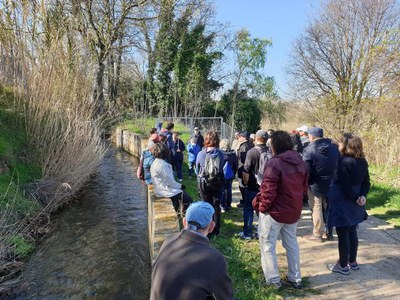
[{"x": 378, "y": 256}]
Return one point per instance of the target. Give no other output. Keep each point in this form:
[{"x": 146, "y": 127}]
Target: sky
[{"x": 281, "y": 21}]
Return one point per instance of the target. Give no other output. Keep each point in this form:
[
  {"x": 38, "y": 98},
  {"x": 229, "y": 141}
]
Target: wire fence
[{"x": 205, "y": 124}]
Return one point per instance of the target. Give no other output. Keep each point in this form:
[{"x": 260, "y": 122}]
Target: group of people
[{"x": 276, "y": 172}]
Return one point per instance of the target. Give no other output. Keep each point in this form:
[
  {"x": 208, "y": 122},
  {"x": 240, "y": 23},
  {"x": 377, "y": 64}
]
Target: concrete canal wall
[{"x": 162, "y": 218}]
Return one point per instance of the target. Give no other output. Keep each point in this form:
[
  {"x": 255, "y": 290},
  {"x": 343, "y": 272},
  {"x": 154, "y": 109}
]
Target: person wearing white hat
[{"x": 303, "y": 131}]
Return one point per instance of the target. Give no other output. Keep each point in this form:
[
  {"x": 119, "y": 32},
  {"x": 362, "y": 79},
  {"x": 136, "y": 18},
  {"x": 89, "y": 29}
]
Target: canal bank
[{"x": 97, "y": 248}]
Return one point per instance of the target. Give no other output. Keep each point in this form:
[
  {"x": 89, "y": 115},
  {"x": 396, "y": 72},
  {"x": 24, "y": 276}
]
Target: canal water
[{"x": 98, "y": 247}]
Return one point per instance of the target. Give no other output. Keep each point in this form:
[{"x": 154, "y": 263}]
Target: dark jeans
[
  {"x": 178, "y": 168},
  {"x": 243, "y": 193},
  {"x": 348, "y": 244},
  {"x": 248, "y": 212},
  {"x": 181, "y": 202},
  {"x": 211, "y": 193},
  {"x": 226, "y": 199},
  {"x": 191, "y": 168}
]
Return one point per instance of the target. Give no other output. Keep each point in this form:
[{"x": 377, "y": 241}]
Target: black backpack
[{"x": 212, "y": 171}]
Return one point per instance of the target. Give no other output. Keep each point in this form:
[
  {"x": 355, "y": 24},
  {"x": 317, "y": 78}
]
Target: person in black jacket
[
  {"x": 241, "y": 154},
  {"x": 347, "y": 201},
  {"x": 321, "y": 157},
  {"x": 250, "y": 171},
  {"x": 177, "y": 154},
  {"x": 199, "y": 138},
  {"x": 231, "y": 158}
]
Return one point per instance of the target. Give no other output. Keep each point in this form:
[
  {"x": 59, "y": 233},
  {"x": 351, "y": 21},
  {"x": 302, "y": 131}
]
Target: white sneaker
[{"x": 244, "y": 237}]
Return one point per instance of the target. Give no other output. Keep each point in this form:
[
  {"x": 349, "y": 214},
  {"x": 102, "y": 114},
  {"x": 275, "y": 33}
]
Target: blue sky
[{"x": 279, "y": 20}]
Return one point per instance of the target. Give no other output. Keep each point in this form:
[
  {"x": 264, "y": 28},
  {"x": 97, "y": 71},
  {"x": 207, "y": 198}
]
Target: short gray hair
[{"x": 224, "y": 145}]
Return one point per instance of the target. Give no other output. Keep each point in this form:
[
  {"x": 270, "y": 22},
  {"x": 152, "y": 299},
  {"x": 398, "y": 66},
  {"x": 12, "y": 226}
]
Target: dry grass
[
  {"x": 52, "y": 91},
  {"x": 62, "y": 129}
]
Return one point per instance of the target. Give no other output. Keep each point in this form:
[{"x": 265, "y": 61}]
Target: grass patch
[
  {"x": 18, "y": 170},
  {"x": 143, "y": 126},
  {"x": 384, "y": 202},
  {"x": 23, "y": 248}
]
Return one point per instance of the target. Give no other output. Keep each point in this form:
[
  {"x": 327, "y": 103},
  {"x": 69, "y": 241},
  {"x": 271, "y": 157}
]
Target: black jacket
[
  {"x": 241, "y": 154},
  {"x": 321, "y": 157}
]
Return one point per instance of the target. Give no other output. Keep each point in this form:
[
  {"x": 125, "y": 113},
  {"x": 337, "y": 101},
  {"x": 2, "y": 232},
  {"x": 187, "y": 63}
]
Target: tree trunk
[{"x": 98, "y": 92}]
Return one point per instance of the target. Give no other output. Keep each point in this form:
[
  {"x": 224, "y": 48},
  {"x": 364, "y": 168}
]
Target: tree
[
  {"x": 335, "y": 63},
  {"x": 102, "y": 23},
  {"x": 250, "y": 56}
]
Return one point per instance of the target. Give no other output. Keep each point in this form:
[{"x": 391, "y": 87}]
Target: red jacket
[{"x": 282, "y": 189}]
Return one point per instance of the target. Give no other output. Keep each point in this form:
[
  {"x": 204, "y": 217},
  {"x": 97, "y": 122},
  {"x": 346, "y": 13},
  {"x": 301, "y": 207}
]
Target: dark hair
[
  {"x": 281, "y": 142},
  {"x": 211, "y": 139},
  {"x": 169, "y": 126},
  {"x": 351, "y": 145},
  {"x": 161, "y": 151},
  {"x": 153, "y": 130}
]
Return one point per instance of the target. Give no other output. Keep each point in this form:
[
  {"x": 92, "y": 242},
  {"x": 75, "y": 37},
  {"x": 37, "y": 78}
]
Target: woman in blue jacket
[
  {"x": 348, "y": 197},
  {"x": 193, "y": 149}
]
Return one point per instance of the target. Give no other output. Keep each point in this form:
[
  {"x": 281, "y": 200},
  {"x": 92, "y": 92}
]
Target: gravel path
[{"x": 378, "y": 257}]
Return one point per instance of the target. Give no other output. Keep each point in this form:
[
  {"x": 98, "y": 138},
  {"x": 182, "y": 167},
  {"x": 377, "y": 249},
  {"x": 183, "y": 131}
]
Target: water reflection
[{"x": 98, "y": 247}]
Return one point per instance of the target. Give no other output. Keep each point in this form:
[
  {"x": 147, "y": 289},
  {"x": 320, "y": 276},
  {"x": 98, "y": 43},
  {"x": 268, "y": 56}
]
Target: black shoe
[
  {"x": 240, "y": 205},
  {"x": 295, "y": 285}
]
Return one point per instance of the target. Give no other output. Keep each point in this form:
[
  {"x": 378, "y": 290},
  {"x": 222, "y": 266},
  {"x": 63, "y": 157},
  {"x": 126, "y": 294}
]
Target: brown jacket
[{"x": 187, "y": 267}]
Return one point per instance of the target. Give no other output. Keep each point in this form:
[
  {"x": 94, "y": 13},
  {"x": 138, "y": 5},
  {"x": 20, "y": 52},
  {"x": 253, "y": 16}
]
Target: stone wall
[{"x": 162, "y": 218}]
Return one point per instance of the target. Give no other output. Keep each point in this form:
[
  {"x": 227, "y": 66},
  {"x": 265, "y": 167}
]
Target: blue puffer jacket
[
  {"x": 148, "y": 159},
  {"x": 321, "y": 157},
  {"x": 193, "y": 150}
]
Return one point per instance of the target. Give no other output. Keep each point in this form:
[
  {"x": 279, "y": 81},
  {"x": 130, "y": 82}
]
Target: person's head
[
  {"x": 270, "y": 131},
  {"x": 193, "y": 141},
  {"x": 153, "y": 130},
  {"x": 261, "y": 137},
  {"x": 175, "y": 135},
  {"x": 196, "y": 130},
  {"x": 163, "y": 135},
  {"x": 252, "y": 137},
  {"x": 281, "y": 142},
  {"x": 242, "y": 136},
  {"x": 315, "y": 133},
  {"x": 224, "y": 145},
  {"x": 211, "y": 139},
  {"x": 199, "y": 217},
  {"x": 303, "y": 130},
  {"x": 153, "y": 139},
  {"x": 351, "y": 145},
  {"x": 161, "y": 151},
  {"x": 237, "y": 135},
  {"x": 169, "y": 126}
]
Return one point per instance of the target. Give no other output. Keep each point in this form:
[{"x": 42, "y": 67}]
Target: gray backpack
[{"x": 264, "y": 157}]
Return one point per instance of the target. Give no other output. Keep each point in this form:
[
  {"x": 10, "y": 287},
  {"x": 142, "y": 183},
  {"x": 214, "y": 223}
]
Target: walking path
[{"x": 378, "y": 256}]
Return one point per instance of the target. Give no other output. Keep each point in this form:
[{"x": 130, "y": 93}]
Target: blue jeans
[
  {"x": 226, "y": 199},
  {"x": 248, "y": 212},
  {"x": 268, "y": 231}
]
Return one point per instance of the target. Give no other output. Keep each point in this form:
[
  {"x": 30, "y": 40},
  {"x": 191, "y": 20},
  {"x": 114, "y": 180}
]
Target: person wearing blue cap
[
  {"x": 187, "y": 267},
  {"x": 321, "y": 157}
]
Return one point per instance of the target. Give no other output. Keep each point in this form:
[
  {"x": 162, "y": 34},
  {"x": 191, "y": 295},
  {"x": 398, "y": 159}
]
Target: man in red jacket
[{"x": 279, "y": 204}]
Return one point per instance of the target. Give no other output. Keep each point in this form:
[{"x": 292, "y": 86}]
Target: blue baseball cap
[
  {"x": 199, "y": 214},
  {"x": 316, "y": 131}
]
